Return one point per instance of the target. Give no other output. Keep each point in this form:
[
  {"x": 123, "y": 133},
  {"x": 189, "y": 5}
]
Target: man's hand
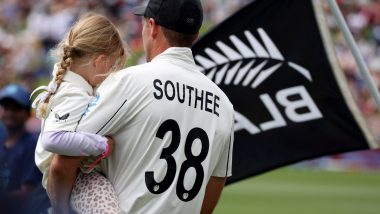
[{"x": 62, "y": 175}]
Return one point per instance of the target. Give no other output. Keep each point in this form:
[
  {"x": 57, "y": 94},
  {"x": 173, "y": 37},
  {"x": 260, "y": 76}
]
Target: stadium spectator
[{"x": 19, "y": 175}]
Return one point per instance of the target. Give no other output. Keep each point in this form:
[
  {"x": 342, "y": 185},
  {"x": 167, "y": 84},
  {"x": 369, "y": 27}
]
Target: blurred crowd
[
  {"x": 363, "y": 19},
  {"x": 30, "y": 28}
]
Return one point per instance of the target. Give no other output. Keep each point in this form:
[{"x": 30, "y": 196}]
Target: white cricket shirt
[
  {"x": 173, "y": 129},
  {"x": 64, "y": 113}
]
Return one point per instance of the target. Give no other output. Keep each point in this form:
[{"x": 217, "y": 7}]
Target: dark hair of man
[{"x": 176, "y": 39}]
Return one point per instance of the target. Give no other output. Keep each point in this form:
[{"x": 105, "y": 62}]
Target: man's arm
[
  {"x": 219, "y": 176},
  {"x": 213, "y": 191},
  {"x": 62, "y": 175}
]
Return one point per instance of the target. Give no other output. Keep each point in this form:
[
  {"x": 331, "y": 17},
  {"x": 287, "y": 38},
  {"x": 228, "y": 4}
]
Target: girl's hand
[{"x": 111, "y": 145}]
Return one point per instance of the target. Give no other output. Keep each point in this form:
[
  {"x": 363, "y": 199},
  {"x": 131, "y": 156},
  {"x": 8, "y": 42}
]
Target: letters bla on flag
[{"x": 275, "y": 61}]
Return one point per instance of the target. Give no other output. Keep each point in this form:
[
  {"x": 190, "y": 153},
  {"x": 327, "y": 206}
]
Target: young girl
[{"x": 91, "y": 50}]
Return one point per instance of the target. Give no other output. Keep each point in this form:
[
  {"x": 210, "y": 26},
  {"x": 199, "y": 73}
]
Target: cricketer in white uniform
[
  {"x": 172, "y": 126},
  {"x": 173, "y": 129}
]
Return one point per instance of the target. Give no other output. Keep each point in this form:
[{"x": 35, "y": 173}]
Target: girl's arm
[
  {"x": 62, "y": 174},
  {"x": 74, "y": 143}
]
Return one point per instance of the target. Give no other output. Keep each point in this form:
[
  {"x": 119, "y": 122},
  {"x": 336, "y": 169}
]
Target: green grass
[{"x": 303, "y": 192}]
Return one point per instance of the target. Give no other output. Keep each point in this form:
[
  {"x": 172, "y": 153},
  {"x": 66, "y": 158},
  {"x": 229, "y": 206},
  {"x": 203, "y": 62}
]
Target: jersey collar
[
  {"x": 180, "y": 53},
  {"x": 76, "y": 79}
]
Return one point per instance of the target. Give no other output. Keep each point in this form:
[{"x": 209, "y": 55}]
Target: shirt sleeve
[
  {"x": 74, "y": 143},
  {"x": 224, "y": 166},
  {"x": 66, "y": 110}
]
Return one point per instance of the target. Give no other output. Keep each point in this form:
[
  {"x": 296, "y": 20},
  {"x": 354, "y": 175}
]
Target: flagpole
[{"x": 355, "y": 51}]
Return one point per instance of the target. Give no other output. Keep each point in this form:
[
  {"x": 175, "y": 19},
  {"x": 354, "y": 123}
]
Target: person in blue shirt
[
  {"x": 19, "y": 176},
  {"x": 4, "y": 171}
]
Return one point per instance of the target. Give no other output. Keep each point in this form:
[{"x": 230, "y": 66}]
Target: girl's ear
[{"x": 99, "y": 61}]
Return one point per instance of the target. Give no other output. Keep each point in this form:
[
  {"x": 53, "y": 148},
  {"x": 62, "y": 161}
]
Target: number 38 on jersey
[{"x": 192, "y": 161}]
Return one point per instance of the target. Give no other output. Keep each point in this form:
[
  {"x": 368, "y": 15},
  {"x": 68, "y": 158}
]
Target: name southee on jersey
[{"x": 187, "y": 95}]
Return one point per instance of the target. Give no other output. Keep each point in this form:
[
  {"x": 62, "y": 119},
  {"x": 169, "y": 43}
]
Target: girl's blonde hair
[{"x": 91, "y": 35}]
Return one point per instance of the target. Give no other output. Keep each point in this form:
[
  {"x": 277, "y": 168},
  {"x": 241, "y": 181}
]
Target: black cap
[{"x": 183, "y": 16}]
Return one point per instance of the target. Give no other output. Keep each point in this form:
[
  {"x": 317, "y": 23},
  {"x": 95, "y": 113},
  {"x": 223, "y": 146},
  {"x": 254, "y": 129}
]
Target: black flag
[{"x": 275, "y": 62}]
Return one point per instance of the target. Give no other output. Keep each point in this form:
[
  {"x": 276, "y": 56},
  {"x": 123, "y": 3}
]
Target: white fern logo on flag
[
  {"x": 249, "y": 74},
  {"x": 250, "y": 64}
]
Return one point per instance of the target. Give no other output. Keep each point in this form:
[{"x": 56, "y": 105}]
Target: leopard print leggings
[{"x": 93, "y": 193}]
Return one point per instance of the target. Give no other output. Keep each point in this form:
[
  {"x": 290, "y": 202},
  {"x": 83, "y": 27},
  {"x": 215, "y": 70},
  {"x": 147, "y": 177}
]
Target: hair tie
[
  {"x": 41, "y": 98},
  {"x": 38, "y": 101},
  {"x": 52, "y": 87}
]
